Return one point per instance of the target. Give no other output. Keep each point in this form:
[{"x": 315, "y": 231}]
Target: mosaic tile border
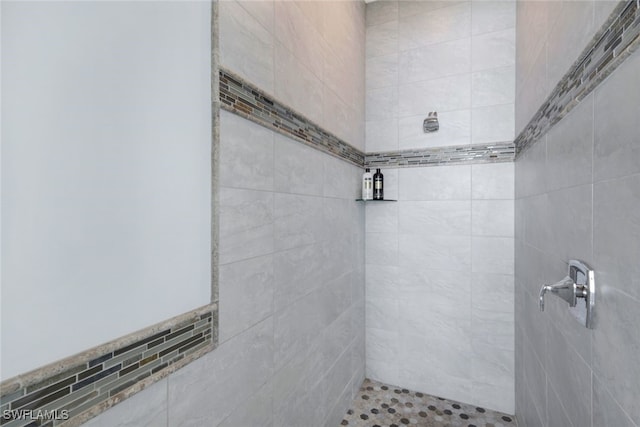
[
  {"x": 69, "y": 392},
  {"x": 241, "y": 97},
  {"x": 618, "y": 38},
  {"x": 461, "y": 154}
]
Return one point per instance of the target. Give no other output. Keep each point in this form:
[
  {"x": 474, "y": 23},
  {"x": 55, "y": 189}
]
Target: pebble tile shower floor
[{"x": 383, "y": 405}]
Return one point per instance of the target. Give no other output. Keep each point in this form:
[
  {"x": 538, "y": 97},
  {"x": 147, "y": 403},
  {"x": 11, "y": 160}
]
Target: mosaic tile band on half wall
[
  {"x": 72, "y": 391},
  {"x": 618, "y": 38},
  {"x": 241, "y": 97}
]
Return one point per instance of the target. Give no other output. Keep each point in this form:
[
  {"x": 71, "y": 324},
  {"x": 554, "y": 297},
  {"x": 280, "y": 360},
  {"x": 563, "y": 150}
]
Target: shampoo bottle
[
  {"x": 378, "y": 184},
  {"x": 367, "y": 185}
]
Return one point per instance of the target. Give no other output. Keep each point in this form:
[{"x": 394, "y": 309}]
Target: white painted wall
[
  {"x": 291, "y": 349},
  {"x": 105, "y": 172}
]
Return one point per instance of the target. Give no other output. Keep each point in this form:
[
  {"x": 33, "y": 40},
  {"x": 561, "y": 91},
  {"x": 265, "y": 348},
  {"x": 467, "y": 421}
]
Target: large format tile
[
  {"x": 493, "y": 181},
  {"x": 493, "y": 86},
  {"x": 382, "y": 71},
  {"x": 246, "y": 295},
  {"x": 616, "y": 233},
  {"x": 298, "y": 168},
  {"x": 570, "y": 376},
  {"x": 491, "y": 50},
  {"x": 297, "y": 272},
  {"x": 220, "y": 381},
  {"x": 492, "y": 124},
  {"x": 617, "y": 152},
  {"x": 257, "y": 410},
  {"x": 147, "y": 408},
  {"x": 435, "y": 183},
  {"x": 570, "y": 148},
  {"x": 434, "y": 26},
  {"x": 246, "y": 153},
  {"x": 606, "y": 411},
  {"x": 492, "y": 218},
  {"x": 382, "y": 135},
  {"x": 382, "y": 39},
  {"x": 567, "y": 46},
  {"x": 489, "y": 16},
  {"x": 442, "y": 94},
  {"x": 616, "y": 328},
  {"x": 492, "y": 255},
  {"x": 381, "y": 217},
  {"x": 296, "y": 85},
  {"x": 341, "y": 179},
  {"x": 298, "y": 35},
  {"x": 435, "y": 61},
  {"x": 455, "y": 129},
  {"x": 246, "y": 224},
  {"x": 381, "y": 12},
  {"x": 436, "y": 252},
  {"x": 569, "y": 223},
  {"x": 296, "y": 327},
  {"x": 382, "y": 104},
  {"x": 382, "y": 249},
  {"x": 246, "y": 47},
  {"x": 298, "y": 220},
  {"x": 438, "y": 218}
]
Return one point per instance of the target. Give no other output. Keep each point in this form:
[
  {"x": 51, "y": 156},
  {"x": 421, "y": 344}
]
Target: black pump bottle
[{"x": 378, "y": 184}]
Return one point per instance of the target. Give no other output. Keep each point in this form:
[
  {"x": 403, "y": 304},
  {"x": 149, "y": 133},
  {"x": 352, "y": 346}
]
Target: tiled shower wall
[
  {"x": 577, "y": 196},
  {"x": 291, "y": 333},
  {"x": 456, "y": 58},
  {"x": 439, "y": 262}
]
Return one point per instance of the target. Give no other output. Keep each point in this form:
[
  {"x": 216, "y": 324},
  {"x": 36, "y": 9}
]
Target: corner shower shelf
[{"x": 375, "y": 200}]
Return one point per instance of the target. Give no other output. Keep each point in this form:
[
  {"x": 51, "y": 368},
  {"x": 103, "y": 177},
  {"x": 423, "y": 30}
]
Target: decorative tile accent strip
[
  {"x": 241, "y": 97},
  {"x": 618, "y": 38},
  {"x": 462, "y": 154},
  {"x": 70, "y": 392}
]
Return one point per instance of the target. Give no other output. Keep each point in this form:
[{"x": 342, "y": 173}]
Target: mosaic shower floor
[{"x": 382, "y": 405}]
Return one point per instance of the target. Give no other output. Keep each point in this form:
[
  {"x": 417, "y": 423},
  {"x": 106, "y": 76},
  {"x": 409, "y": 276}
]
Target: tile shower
[{"x": 432, "y": 297}]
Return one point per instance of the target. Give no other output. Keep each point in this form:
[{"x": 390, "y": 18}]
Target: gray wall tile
[
  {"x": 570, "y": 149},
  {"x": 616, "y": 328},
  {"x": 492, "y": 218},
  {"x": 439, "y": 218},
  {"x": 246, "y": 295},
  {"x": 146, "y": 408},
  {"x": 616, "y": 233},
  {"x": 246, "y": 46},
  {"x": 298, "y": 220},
  {"x": 492, "y": 181},
  {"x": 297, "y": 168},
  {"x": 246, "y": 224},
  {"x": 606, "y": 411},
  {"x": 617, "y": 152},
  {"x": 243, "y": 364},
  {"x": 492, "y": 255},
  {"x": 246, "y": 157},
  {"x": 440, "y": 183}
]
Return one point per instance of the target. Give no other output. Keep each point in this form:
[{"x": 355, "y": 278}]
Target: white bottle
[{"x": 367, "y": 185}]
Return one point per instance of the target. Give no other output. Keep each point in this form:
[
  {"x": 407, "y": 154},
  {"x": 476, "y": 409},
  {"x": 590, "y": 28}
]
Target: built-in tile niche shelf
[{"x": 375, "y": 200}]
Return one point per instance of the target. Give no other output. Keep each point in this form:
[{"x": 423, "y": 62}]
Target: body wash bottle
[
  {"x": 367, "y": 185},
  {"x": 378, "y": 184}
]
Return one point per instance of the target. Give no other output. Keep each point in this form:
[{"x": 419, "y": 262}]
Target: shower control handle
[
  {"x": 565, "y": 289},
  {"x": 577, "y": 289}
]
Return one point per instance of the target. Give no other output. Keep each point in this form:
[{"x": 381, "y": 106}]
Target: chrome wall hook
[{"x": 577, "y": 289}]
